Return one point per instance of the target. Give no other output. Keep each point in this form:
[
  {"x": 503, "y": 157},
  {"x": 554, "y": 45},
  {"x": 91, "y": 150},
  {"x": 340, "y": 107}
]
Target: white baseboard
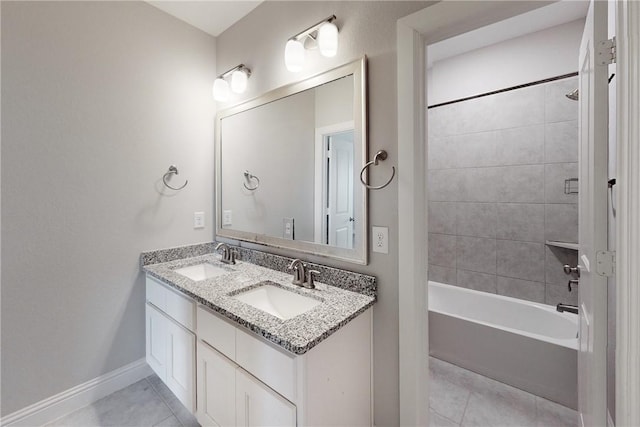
[{"x": 56, "y": 406}]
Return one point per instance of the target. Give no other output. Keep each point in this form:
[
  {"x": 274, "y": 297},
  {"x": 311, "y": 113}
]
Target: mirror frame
[{"x": 358, "y": 255}]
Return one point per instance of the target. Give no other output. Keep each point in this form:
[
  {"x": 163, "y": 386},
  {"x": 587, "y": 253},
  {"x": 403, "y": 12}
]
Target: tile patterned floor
[
  {"x": 462, "y": 398},
  {"x": 458, "y": 398},
  {"x": 146, "y": 403}
]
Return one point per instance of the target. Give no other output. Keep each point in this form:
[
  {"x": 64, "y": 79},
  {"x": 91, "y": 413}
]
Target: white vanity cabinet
[
  {"x": 246, "y": 381},
  {"x": 228, "y": 376},
  {"x": 170, "y": 340}
]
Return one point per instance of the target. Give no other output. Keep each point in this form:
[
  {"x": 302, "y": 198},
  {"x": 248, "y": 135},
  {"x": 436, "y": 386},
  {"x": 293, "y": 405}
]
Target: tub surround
[{"x": 340, "y": 303}]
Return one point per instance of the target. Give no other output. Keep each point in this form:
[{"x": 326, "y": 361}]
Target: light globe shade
[
  {"x": 239, "y": 81},
  {"x": 294, "y": 55},
  {"x": 328, "y": 39},
  {"x": 220, "y": 90}
]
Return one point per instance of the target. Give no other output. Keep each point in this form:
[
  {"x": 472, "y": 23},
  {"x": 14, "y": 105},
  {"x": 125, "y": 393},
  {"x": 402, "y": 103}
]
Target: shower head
[{"x": 573, "y": 95}]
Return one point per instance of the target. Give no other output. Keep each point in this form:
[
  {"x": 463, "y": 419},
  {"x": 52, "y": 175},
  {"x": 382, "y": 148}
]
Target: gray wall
[
  {"x": 497, "y": 166},
  {"x": 98, "y": 99},
  {"x": 365, "y": 28}
]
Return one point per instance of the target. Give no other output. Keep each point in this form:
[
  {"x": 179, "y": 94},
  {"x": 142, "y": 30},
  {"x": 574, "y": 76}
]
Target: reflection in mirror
[{"x": 287, "y": 166}]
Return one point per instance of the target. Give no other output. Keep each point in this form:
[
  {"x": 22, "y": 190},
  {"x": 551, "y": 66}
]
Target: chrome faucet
[
  {"x": 302, "y": 276},
  {"x": 299, "y": 272},
  {"x": 228, "y": 254},
  {"x": 567, "y": 307}
]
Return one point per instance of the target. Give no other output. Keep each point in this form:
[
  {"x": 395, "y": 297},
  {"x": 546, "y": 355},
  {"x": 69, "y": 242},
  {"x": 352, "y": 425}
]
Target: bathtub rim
[{"x": 568, "y": 343}]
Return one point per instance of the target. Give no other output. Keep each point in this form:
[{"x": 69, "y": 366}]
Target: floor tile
[
  {"x": 437, "y": 420},
  {"x": 490, "y": 403},
  {"x": 550, "y": 414},
  {"x": 447, "y": 398},
  {"x": 486, "y": 410},
  {"x": 136, "y": 405},
  {"x": 182, "y": 414},
  {"x": 172, "y": 421}
]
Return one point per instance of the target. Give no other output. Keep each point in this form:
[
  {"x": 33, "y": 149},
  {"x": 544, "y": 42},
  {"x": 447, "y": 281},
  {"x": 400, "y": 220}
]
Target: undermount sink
[
  {"x": 277, "y": 301},
  {"x": 200, "y": 272}
]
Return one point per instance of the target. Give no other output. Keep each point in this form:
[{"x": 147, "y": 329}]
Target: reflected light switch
[
  {"x": 288, "y": 229},
  {"x": 227, "y": 218}
]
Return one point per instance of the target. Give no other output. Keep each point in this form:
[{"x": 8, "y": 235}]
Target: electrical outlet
[
  {"x": 288, "y": 228},
  {"x": 227, "y": 218},
  {"x": 380, "y": 239},
  {"x": 198, "y": 220}
]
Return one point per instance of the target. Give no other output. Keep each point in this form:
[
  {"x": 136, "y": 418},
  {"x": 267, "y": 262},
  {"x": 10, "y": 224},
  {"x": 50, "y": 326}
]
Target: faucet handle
[
  {"x": 233, "y": 254},
  {"x": 310, "y": 279}
]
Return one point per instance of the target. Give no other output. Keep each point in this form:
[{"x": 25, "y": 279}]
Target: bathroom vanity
[{"x": 303, "y": 358}]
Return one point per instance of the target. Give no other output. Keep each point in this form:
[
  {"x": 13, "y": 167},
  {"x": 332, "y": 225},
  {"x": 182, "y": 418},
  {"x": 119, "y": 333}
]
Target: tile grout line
[
  {"x": 464, "y": 411},
  {"x": 163, "y": 401}
]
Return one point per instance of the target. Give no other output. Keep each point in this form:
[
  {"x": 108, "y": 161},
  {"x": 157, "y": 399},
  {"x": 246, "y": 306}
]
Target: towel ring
[
  {"x": 173, "y": 170},
  {"x": 249, "y": 177},
  {"x": 380, "y": 156}
]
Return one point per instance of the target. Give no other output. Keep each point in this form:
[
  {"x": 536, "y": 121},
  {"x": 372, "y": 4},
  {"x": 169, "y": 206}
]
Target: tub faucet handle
[{"x": 572, "y": 282}]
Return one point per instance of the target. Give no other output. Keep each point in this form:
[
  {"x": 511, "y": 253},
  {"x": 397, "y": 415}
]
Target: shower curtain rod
[{"x": 538, "y": 82}]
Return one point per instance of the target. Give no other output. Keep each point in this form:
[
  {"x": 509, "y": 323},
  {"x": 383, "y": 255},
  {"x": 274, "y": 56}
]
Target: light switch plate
[
  {"x": 227, "y": 218},
  {"x": 288, "y": 228},
  {"x": 380, "y": 239},
  {"x": 198, "y": 220}
]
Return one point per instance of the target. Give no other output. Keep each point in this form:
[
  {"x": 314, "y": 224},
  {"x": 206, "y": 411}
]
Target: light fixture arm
[
  {"x": 301, "y": 35},
  {"x": 240, "y": 67}
]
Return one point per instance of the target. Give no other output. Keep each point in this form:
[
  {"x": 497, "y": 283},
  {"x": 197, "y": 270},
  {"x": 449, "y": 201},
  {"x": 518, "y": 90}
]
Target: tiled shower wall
[{"x": 497, "y": 167}]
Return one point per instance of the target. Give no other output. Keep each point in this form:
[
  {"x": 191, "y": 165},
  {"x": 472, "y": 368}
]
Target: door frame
[{"x": 447, "y": 19}]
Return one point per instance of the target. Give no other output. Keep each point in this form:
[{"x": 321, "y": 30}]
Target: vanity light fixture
[
  {"x": 323, "y": 35},
  {"x": 239, "y": 76}
]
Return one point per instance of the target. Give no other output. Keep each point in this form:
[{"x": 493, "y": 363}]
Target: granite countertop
[{"x": 296, "y": 335}]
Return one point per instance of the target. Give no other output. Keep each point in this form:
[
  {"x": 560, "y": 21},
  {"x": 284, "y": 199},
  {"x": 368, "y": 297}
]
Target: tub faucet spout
[{"x": 567, "y": 307}]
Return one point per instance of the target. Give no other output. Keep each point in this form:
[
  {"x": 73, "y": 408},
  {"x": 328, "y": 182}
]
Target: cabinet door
[
  {"x": 156, "y": 341},
  {"x": 216, "y": 388},
  {"x": 181, "y": 360},
  {"x": 257, "y": 405}
]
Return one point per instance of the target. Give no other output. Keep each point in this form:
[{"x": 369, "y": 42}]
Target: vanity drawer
[
  {"x": 177, "y": 306},
  {"x": 274, "y": 367},
  {"x": 216, "y": 332}
]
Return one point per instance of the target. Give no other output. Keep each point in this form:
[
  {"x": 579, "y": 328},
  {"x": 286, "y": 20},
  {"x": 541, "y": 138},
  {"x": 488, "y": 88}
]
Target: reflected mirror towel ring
[
  {"x": 248, "y": 177},
  {"x": 380, "y": 156}
]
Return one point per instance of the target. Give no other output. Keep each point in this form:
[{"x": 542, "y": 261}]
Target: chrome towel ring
[
  {"x": 173, "y": 170},
  {"x": 380, "y": 156},
  {"x": 248, "y": 176}
]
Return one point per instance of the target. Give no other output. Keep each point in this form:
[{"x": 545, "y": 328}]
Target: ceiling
[
  {"x": 211, "y": 16},
  {"x": 539, "y": 19}
]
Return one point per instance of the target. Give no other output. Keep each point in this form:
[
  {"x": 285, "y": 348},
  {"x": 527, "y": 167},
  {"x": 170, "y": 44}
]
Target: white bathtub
[{"x": 527, "y": 345}]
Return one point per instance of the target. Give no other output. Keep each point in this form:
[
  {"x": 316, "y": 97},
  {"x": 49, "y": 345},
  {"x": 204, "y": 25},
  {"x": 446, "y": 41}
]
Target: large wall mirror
[{"x": 288, "y": 166}]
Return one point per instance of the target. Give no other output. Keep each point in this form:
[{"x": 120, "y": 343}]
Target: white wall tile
[
  {"x": 478, "y": 185},
  {"x": 520, "y": 260},
  {"x": 442, "y": 250},
  {"x": 522, "y": 184},
  {"x": 477, "y": 281},
  {"x": 442, "y": 217},
  {"x": 475, "y": 150},
  {"x": 445, "y": 185},
  {"x": 520, "y": 221},
  {"x": 476, "y": 219},
  {"x": 520, "y": 146},
  {"x": 442, "y": 153},
  {"x": 561, "y": 222},
  {"x": 476, "y": 254},
  {"x": 561, "y": 142}
]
